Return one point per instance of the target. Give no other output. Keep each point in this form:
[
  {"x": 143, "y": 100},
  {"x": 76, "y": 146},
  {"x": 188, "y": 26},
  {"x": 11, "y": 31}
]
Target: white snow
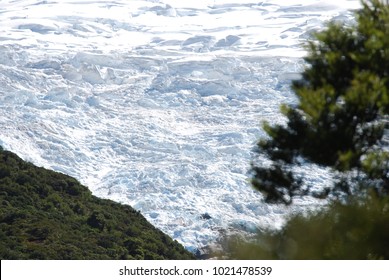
[{"x": 157, "y": 104}]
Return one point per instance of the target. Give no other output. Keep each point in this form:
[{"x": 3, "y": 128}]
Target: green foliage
[
  {"x": 357, "y": 230},
  {"x": 48, "y": 215},
  {"x": 341, "y": 116}
]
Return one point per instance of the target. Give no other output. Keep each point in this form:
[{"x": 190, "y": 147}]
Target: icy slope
[{"x": 156, "y": 104}]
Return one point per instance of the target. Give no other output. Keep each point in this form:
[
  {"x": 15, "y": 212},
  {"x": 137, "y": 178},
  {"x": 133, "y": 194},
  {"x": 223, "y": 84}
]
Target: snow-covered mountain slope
[{"x": 157, "y": 104}]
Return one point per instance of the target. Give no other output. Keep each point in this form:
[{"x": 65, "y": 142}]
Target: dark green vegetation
[
  {"x": 341, "y": 122},
  {"x": 48, "y": 215},
  {"x": 357, "y": 230},
  {"x": 341, "y": 116}
]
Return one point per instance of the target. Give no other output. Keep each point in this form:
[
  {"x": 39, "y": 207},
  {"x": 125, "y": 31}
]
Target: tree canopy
[{"x": 341, "y": 119}]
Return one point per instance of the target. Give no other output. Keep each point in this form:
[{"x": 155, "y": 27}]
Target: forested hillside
[{"x": 48, "y": 215}]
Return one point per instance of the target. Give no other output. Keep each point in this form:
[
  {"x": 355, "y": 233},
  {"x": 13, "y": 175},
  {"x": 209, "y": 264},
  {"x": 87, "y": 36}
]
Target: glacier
[{"x": 158, "y": 103}]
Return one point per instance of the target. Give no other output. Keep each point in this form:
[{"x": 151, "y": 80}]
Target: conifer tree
[{"x": 341, "y": 119}]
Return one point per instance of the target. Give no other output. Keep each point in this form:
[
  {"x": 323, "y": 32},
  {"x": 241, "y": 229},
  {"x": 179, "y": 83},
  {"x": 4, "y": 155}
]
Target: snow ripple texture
[{"x": 157, "y": 104}]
